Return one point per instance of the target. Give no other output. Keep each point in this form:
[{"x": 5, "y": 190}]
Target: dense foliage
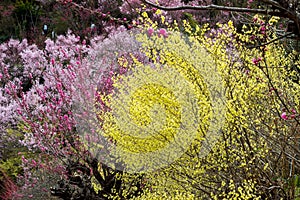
[{"x": 155, "y": 105}]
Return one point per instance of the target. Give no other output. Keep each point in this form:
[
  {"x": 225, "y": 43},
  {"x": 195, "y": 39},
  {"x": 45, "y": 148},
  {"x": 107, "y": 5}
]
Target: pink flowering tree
[{"x": 41, "y": 91}]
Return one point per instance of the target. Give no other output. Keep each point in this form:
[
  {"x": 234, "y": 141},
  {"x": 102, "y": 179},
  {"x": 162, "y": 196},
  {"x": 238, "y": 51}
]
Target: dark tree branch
[
  {"x": 211, "y": 7},
  {"x": 273, "y": 8},
  {"x": 272, "y": 41},
  {"x": 275, "y": 4}
]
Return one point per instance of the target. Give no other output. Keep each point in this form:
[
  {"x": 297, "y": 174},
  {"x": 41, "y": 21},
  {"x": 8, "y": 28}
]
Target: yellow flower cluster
[{"x": 203, "y": 116}]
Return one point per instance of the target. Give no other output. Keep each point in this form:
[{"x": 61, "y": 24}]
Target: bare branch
[
  {"x": 211, "y": 7},
  {"x": 276, "y": 10},
  {"x": 273, "y": 8},
  {"x": 272, "y": 41},
  {"x": 273, "y": 3}
]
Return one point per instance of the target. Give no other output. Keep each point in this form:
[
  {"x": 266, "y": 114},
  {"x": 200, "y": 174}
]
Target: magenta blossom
[
  {"x": 284, "y": 116},
  {"x": 293, "y": 116},
  {"x": 163, "y": 32},
  {"x": 255, "y": 61},
  {"x": 150, "y": 32}
]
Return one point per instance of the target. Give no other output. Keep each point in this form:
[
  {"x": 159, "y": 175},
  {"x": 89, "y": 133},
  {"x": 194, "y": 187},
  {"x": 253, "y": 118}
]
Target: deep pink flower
[
  {"x": 293, "y": 116},
  {"x": 163, "y": 32},
  {"x": 284, "y": 116},
  {"x": 7, "y": 91},
  {"x": 256, "y": 60},
  {"x": 66, "y": 117},
  {"x": 34, "y": 163},
  {"x": 150, "y": 32},
  {"x": 24, "y": 160}
]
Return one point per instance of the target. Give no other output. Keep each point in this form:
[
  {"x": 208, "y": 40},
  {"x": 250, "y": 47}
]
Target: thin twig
[{"x": 271, "y": 41}]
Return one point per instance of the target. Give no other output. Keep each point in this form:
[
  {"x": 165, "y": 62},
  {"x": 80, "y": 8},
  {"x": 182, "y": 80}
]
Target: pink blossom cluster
[
  {"x": 286, "y": 116},
  {"x": 40, "y": 85},
  {"x": 161, "y": 32},
  {"x": 51, "y": 91}
]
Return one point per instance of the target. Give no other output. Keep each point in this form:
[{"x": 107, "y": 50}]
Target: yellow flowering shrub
[{"x": 203, "y": 117}]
